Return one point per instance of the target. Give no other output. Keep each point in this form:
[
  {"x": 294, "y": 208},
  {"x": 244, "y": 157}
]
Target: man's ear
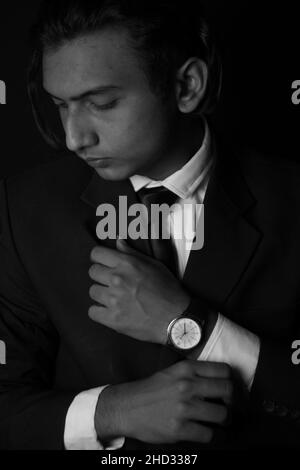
[{"x": 191, "y": 84}]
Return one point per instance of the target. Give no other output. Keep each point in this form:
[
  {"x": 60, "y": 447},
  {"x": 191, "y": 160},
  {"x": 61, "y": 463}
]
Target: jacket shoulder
[
  {"x": 65, "y": 176},
  {"x": 256, "y": 162},
  {"x": 272, "y": 174}
]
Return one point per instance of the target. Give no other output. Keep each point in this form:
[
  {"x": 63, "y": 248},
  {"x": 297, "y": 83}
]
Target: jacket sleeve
[
  {"x": 275, "y": 394},
  {"x": 32, "y": 412}
]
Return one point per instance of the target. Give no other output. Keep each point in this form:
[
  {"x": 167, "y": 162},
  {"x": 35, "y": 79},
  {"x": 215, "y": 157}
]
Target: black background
[{"x": 260, "y": 46}]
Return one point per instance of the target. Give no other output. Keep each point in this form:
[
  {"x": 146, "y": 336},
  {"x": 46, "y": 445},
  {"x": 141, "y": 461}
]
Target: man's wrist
[
  {"x": 210, "y": 324},
  {"x": 108, "y": 421}
]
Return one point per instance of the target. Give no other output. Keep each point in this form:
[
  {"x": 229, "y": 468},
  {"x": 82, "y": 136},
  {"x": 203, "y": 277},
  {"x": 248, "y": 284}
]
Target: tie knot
[
  {"x": 159, "y": 195},
  {"x": 161, "y": 246}
]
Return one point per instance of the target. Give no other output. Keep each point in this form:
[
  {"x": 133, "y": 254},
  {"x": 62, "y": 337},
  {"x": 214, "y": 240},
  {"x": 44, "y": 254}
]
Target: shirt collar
[{"x": 187, "y": 180}]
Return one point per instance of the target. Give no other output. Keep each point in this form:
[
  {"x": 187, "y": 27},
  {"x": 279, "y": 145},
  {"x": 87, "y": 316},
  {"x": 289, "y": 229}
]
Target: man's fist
[
  {"x": 135, "y": 295},
  {"x": 172, "y": 405}
]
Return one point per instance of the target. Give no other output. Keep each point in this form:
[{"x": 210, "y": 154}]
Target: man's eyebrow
[{"x": 101, "y": 90}]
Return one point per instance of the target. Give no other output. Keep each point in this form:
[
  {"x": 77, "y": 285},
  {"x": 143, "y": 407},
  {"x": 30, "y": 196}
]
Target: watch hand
[{"x": 184, "y": 328}]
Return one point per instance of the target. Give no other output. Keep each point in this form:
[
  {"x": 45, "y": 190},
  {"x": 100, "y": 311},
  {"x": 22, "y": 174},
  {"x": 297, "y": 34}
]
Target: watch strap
[{"x": 198, "y": 308}]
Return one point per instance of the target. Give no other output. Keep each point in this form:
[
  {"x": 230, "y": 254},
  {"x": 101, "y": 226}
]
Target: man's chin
[{"x": 109, "y": 174}]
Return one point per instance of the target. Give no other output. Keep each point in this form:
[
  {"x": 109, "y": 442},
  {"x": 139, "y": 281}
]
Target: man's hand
[
  {"x": 172, "y": 405},
  {"x": 136, "y": 294}
]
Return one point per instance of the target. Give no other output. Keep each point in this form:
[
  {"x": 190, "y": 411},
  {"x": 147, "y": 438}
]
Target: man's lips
[
  {"x": 93, "y": 159},
  {"x": 96, "y": 162}
]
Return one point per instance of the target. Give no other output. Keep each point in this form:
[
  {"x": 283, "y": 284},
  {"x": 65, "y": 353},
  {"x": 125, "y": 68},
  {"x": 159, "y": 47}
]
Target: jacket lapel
[{"x": 230, "y": 241}]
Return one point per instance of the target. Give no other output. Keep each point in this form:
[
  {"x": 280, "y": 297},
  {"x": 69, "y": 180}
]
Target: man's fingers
[
  {"x": 213, "y": 388},
  {"x": 101, "y": 274},
  {"x": 208, "y": 412},
  {"x": 212, "y": 369},
  {"x": 191, "y": 368},
  {"x": 100, "y": 294},
  {"x": 99, "y": 315},
  {"x": 124, "y": 247},
  {"x": 203, "y": 380},
  {"x": 106, "y": 256}
]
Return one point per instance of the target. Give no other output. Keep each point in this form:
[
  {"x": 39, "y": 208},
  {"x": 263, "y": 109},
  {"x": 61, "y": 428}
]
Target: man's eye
[
  {"x": 102, "y": 107},
  {"x": 60, "y": 105}
]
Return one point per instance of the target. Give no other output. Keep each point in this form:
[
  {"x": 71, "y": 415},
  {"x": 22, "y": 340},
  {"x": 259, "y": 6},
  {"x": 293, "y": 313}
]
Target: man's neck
[{"x": 187, "y": 142}]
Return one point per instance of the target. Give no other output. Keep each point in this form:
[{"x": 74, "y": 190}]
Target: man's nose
[{"x": 79, "y": 134}]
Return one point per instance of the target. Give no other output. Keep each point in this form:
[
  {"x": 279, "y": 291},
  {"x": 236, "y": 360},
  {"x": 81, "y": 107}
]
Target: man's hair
[{"x": 164, "y": 34}]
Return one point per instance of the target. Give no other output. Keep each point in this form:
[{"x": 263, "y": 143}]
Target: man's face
[{"x": 111, "y": 117}]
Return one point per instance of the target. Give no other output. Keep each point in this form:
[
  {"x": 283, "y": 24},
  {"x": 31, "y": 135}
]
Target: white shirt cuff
[
  {"x": 234, "y": 345},
  {"x": 80, "y": 432}
]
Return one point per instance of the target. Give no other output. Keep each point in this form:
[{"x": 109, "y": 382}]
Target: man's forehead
[{"x": 100, "y": 60}]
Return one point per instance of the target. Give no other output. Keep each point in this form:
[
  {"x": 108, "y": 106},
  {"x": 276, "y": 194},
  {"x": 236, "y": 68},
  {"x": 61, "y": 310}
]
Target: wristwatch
[
  {"x": 188, "y": 330},
  {"x": 185, "y": 332}
]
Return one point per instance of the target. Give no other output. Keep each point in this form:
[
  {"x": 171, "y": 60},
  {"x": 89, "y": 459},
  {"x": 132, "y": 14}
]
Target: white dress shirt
[{"x": 228, "y": 343}]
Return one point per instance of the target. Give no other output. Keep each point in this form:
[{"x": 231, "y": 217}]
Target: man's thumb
[{"x": 123, "y": 246}]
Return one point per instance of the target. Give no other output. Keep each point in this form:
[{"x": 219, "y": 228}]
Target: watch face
[{"x": 186, "y": 333}]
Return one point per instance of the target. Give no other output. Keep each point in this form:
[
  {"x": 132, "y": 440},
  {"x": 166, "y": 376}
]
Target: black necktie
[{"x": 162, "y": 248}]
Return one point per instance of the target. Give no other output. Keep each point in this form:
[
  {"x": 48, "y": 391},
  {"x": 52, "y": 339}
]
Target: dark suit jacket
[{"x": 248, "y": 269}]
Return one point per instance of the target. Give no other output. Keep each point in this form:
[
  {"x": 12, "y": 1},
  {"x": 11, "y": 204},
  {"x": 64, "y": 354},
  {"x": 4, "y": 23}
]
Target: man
[{"x": 93, "y": 360}]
